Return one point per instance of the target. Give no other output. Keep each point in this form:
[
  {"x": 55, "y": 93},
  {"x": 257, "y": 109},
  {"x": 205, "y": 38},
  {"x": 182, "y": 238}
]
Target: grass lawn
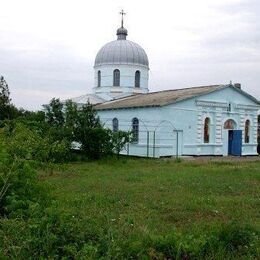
[
  {"x": 137, "y": 197},
  {"x": 159, "y": 195}
]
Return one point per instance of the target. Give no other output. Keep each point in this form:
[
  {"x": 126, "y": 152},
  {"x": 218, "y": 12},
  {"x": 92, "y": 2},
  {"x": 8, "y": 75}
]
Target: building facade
[{"x": 209, "y": 120}]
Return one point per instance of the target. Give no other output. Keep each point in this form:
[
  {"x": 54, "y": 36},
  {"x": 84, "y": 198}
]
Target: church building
[{"x": 206, "y": 120}]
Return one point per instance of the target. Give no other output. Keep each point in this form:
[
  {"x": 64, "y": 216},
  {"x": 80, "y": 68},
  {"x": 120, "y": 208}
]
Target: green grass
[
  {"x": 133, "y": 196},
  {"x": 131, "y": 208}
]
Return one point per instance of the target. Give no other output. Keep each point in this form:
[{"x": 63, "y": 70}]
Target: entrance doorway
[
  {"x": 232, "y": 139},
  {"x": 235, "y": 142}
]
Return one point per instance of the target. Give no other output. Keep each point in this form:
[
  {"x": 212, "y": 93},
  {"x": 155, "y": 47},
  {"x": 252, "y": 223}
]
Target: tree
[
  {"x": 82, "y": 125},
  {"x": 5, "y": 101},
  {"x": 87, "y": 131},
  {"x": 28, "y": 144},
  {"x": 71, "y": 114},
  {"x": 21, "y": 192},
  {"x": 4, "y": 92},
  {"x": 54, "y": 113},
  {"x": 119, "y": 139}
]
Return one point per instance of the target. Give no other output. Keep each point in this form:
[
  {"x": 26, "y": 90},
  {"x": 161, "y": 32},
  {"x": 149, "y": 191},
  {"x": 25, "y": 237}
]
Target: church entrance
[
  {"x": 232, "y": 139},
  {"x": 235, "y": 142}
]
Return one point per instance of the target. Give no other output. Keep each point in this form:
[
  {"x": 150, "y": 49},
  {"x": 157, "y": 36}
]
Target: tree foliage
[
  {"x": 7, "y": 110},
  {"x": 22, "y": 142},
  {"x": 21, "y": 193},
  {"x": 4, "y": 92},
  {"x": 119, "y": 139},
  {"x": 82, "y": 125},
  {"x": 54, "y": 113}
]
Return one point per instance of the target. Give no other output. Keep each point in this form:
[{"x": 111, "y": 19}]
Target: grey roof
[
  {"x": 160, "y": 98},
  {"x": 121, "y": 51}
]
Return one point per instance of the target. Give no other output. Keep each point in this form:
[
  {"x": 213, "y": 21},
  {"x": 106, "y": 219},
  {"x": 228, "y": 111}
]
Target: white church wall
[{"x": 127, "y": 79}]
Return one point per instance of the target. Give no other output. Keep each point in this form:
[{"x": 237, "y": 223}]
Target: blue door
[{"x": 235, "y": 142}]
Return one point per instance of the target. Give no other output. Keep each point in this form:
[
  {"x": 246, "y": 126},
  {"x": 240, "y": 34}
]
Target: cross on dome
[
  {"x": 122, "y": 32},
  {"x": 122, "y": 19}
]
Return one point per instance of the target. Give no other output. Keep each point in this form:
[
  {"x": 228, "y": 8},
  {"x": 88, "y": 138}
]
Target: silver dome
[{"x": 121, "y": 51}]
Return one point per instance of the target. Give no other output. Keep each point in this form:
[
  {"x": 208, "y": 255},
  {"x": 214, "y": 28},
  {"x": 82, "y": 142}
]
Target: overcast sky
[{"x": 48, "y": 47}]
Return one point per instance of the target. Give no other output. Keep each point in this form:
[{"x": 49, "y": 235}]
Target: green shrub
[
  {"x": 23, "y": 195},
  {"x": 25, "y": 143}
]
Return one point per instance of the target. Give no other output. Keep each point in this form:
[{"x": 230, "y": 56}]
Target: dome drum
[{"x": 127, "y": 83}]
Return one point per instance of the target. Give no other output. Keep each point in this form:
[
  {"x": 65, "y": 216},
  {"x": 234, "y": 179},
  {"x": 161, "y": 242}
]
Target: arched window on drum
[
  {"x": 116, "y": 78},
  {"x": 137, "y": 79},
  {"x": 99, "y": 79}
]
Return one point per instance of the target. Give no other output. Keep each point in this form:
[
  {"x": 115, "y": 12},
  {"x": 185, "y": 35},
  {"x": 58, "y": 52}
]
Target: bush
[
  {"x": 25, "y": 143},
  {"x": 22, "y": 194}
]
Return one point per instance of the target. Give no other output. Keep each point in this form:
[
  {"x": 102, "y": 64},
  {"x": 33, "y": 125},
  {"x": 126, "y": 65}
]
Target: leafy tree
[
  {"x": 119, "y": 139},
  {"x": 5, "y": 101},
  {"x": 87, "y": 117},
  {"x": 7, "y": 109},
  {"x": 54, "y": 113},
  {"x": 24, "y": 143},
  {"x": 4, "y": 92},
  {"x": 71, "y": 114},
  {"x": 87, "y": 130},
  {"x": 21, "y": 193}
]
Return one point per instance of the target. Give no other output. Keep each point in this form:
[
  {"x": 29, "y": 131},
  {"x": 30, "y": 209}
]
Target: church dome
[{"x": 121, "y": 51}]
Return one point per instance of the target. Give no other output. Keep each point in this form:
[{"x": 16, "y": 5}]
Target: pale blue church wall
[
  {"x": 187, "y": 118},
  {"x": 242, "y": 108},
  {"x": 149, "y": 119},
  {"x": 127, "y": 78}
]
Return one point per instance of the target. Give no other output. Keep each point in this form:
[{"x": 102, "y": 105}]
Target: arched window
[
  {"x": 206, "y": 130},
  {"x": 137, "y": 79},
  {"x": 116, "y": 78},
  {"x": 230, "y": 124},
  {"x": 247, "y": 131},
  {"x": 99, "y": 78},
  {"x": 115, "y": 124},
  {"x": 135, "y": 130}
]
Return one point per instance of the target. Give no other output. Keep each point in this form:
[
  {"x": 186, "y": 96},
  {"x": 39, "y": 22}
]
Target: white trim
[
  {"x": 205, "y": 103},
  {"x": 247, "y": 107},
  {"x": 202, "y": 145}
]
